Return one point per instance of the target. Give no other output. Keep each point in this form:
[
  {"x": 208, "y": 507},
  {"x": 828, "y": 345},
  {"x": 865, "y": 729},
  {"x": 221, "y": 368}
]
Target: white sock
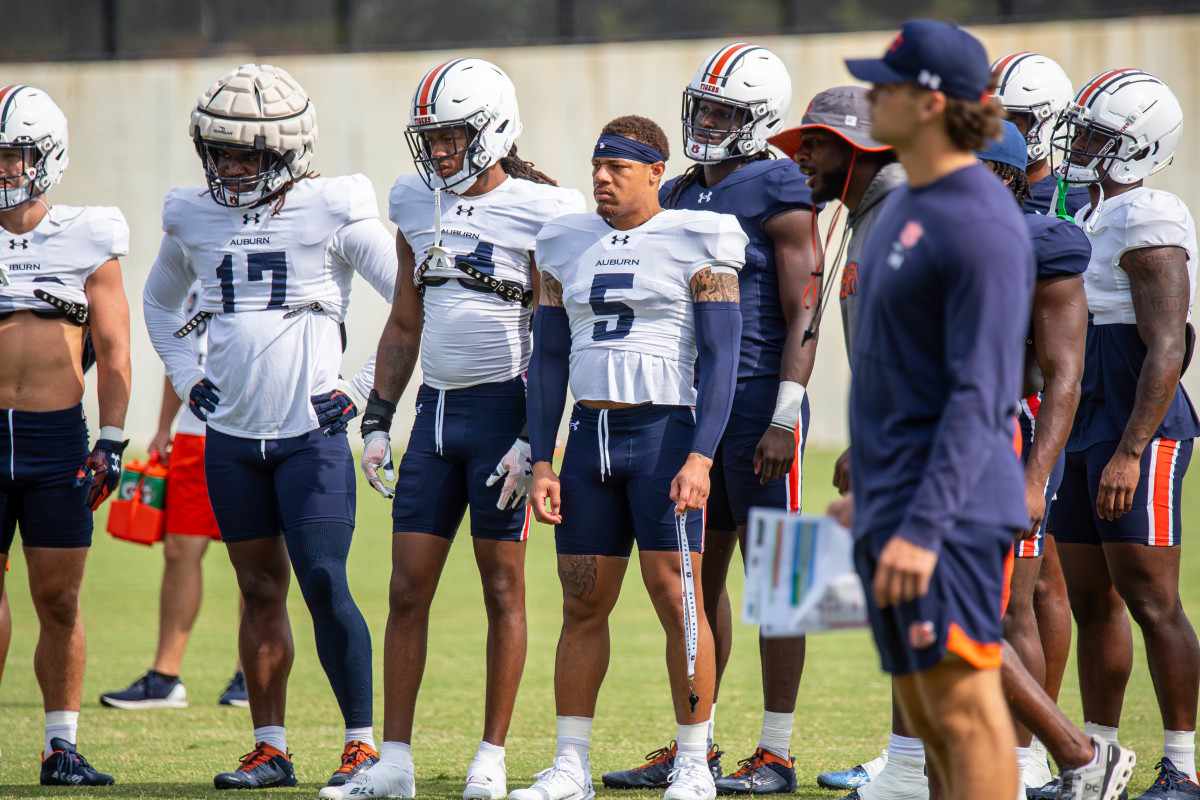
[
  {"x": 776, "y": 733},
  {"x": 692, "y": 741},
  {"x": 905, "y": 747},
  {"x": 1037, "y": 749},
  {"x": 574, "y": 741},
  {"x": 1103, "y": 731},
  {"x": 274, "y": 735},
  {"x": 396, "y": 754},
  {"x": 489, "y": 753},
  {"x": 1022, "y": 759},
  {"x": 61, "y": 725},
  {"x": 712, "y": 721},
  {"x": 364, "y": 735},
  {"x": 1180, "y": 747}
]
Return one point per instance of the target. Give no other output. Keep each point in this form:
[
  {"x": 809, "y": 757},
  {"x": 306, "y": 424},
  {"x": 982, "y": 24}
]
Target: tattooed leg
[{"x": 591, "y": 585}]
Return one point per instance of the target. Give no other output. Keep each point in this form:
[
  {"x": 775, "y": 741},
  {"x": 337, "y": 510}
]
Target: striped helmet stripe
[
  {"x": 725, "y": 61},
  {"x": 1103, "y": 82},
  {"x": 1005, "y": 67},
  {"x": 428, "y": 88},
  {"x": 7, "y": 95}
]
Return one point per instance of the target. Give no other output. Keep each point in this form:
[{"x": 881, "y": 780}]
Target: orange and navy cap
[{"x": 843, "y": 110}]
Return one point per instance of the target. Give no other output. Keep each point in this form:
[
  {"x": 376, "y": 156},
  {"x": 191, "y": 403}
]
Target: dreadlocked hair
[
  {"x": 515, "y": 167},
  {"x": 693, "y": 173},
  {"x": 277, "y": 200},
  {"x": 1016, "y": 180}
]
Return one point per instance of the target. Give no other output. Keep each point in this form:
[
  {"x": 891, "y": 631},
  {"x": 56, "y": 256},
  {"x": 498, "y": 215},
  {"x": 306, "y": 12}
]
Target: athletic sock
[
  {"x": 274, "y": 735},
  {"x": 60, "y": 725},
  {"x": 396, "y": 754},
  {"x": 1103, "y": 731},
  {"x": 574, "y": 741},
  {"x": 712, "y": 721},
  {"x": 364, "y": 735},
  {"x": 905, "y": 747},
  {"x": 1022, "y": 759},
  {"x": 1037, "y": 749},
  {"x": 1180, "y": 747},
  {"x": 490, "y": 753},
  {"x": 692, "y": 740},
  {"x": 776, "y": 733}
]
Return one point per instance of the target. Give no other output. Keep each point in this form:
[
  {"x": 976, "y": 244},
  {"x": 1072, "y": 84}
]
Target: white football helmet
[
  {"x": 471, "y": 94},
  {"x": 32, "y": 123},
  {"x": 1123, "y": 124},
  {"x": 259, "y": 109},
  {"x": 1037, "y": 87},
  {"x": 755, "y": 84}
]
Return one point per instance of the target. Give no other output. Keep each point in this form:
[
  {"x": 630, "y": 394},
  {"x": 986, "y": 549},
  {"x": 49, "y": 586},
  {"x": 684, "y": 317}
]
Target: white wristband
[
  {"x": 112, "y": 432},
  {"x": 787, "y": 405}
]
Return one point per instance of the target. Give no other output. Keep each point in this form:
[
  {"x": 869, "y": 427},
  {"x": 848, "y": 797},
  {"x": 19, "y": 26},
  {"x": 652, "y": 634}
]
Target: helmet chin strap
[{"x": 1090, "y": 225}]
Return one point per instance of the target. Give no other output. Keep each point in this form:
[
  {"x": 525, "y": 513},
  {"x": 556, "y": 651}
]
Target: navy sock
[{"x": 318, "y": 552}]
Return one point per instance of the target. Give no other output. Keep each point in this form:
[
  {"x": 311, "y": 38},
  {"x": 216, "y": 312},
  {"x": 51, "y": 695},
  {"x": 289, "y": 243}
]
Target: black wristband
[
  {"x": 112, "y": 445},
  {"x": 378, "y": 415}
]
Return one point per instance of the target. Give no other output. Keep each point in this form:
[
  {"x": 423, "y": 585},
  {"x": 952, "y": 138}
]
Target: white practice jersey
[
  {"x": 628, "y": 297},
  {"x": 188, "y": 422},
  {"x": 262, "y": 276},
  {"x": 472, "y": 336},
  {"x": 1138, "y": 218},
  {"x": 58, "y": 256}
]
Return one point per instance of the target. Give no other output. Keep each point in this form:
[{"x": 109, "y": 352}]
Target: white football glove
[
  {"x": 377, "y": 454},
  {"x": 517, "y": 471}
]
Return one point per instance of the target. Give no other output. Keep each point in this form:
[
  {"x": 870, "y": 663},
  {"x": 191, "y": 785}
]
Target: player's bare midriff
[
  {"x": 610, "y": 405},
  {"x": 41, "y": 369}
]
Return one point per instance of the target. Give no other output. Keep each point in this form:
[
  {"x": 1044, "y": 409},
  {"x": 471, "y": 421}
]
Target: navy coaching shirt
[
  {"x": 754, "y": 193},
  {"x": 945, "y": 290}
]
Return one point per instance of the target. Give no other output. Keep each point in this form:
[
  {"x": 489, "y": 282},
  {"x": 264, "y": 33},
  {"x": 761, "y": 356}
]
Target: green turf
[{"x": 842, "y": 718}]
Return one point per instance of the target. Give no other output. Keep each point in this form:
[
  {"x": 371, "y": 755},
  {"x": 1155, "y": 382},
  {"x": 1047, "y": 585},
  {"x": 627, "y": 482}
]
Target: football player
[
  {"x": 1117, "y": 518},
  {"x": 190, "y": 526},
  {"x": 737, "y": 99},
  {"x": 631, "y": 296},
  {"x": 467, "y": 222},
  {"x": 275, "y": 249},
  {"x": 59, "y": 276}
]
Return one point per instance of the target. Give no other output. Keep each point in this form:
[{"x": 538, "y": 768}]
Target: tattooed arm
[
  {"x": 551, "y": 292},
  {"x": 709, "y": 287},
  {"x": 400, "y": 342},
  {"x": 1158, "y": 283}
]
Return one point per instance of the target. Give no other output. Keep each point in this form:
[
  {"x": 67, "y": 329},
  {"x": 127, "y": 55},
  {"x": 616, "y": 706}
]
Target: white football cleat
[
  {"x": 563, "y": 781},
  {"x": 1104, "y": 778},
  {"x": 486, "y": 780},
  {"x": 381, "y": 780},
  {"x": 900, "y": 779},
  {"x": 691, "y": 779}
]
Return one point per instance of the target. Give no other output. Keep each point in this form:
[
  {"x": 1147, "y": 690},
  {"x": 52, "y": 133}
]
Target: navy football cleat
[
  {"x": 655, "y": 773},
  {"x": 65, "y": 766},
  {"x": 235, "y": 692},
  {"x": 762, "y": 773},
  {"x": 262, "y": 768},
  {"x": 1172, "y": 784}
]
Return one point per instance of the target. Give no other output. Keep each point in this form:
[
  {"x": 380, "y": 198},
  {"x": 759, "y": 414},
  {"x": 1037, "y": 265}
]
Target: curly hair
[
  {"x": 693, "y": 173},
  {"x": 1014, "y": 178},
  {"x": 971, "y": 124},
  {"x": 515, "y": 167},
  {"x": 640, "y": 129}
]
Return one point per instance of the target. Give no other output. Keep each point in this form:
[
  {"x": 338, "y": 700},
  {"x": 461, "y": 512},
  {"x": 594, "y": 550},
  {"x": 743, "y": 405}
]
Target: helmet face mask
[
  {"x": 35, "y": 127},
  {"x": 239, "y": 191},
  {"x": 463, "y": 148},
  {"x": 731, "y": 137},
  {"x": 18, "y": 183}
]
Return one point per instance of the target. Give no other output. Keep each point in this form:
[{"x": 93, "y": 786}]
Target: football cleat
[
  {"x": 486, "y": 780},
  {"x": 691, "y": 779},
  {"x": 1047, "y": 791},
  {"x": 1172, "y": 784},
  {"x": 1036, "y": 773},
  {"x": 762, "y": 773},
  {"x": 655, "y": 773},
  {"x": 235, "y": 692},
  {"x": 900, "y": 779},
  {"x": 859, "y": 775},
  {"x": 149, "y": 691},
  {"x": 379, "y": 780},
  {"x": 65, "y": 766},
  {"x": 563, "y": 781},
  {"x": 263, "y": 767},
  {"x": 356, "y": 757}
]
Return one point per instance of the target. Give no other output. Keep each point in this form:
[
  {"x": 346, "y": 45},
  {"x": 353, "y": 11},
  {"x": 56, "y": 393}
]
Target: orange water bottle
[
  {"x": 147, "y": 513},
  {"x": 127, "y": 489}
]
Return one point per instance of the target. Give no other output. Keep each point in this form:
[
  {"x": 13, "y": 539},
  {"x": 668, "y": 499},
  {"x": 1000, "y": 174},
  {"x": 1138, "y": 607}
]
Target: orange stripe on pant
[{"x": 1160, "y": 500}]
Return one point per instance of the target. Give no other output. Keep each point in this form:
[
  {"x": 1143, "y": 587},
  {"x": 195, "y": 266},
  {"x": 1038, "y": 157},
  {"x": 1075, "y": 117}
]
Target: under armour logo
[
  {"x": 705, "y": 197},
  {"x": 460, "y": 210},
  {"x": 418, "y": 409},
  {"x": 246, "y": 219},
  {"x": 620, "y": 239},
  {"x": 13, "y": 244},
  {"x": 574, "y": 424}
]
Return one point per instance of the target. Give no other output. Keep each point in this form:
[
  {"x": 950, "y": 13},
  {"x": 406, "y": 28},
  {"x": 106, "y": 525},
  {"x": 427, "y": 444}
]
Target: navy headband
[{"x": 610, "y": 145}]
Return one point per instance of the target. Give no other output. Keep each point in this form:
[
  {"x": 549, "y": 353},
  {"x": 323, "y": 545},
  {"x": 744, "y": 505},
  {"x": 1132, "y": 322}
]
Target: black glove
[
  {"x": 335, "y": 409},
  {"x": 103, "y": 466},
  {"x": 203, "y": 399},
  {"x": 378, "y": 416}
]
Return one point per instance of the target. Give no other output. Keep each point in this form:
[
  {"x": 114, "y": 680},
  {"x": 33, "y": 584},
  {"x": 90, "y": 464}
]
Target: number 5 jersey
[{"x": 277, "y": 285}]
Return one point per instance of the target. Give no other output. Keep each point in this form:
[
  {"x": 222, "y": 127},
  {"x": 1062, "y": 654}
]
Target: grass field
[{"x": 842, "y": 717}]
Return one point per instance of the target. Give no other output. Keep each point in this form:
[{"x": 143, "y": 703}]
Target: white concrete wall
[{"x": 129, "y": 140}]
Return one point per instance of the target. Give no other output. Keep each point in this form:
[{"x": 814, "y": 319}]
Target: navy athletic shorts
[
  {"x": 458, "y": 437},
  {"x": 735, "y": 487},
  {"x": 1156, "y": 518},
  {"x": 40, "y": 456},
  {"x": 1035, "y": 547},
  {"x": 262, "y": 487},
  {"x": 616, "y": 481},
  {"x": 962, "y": 613}
]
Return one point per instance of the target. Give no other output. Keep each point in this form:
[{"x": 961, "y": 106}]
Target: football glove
[
  {"x": 203, "y": 399},
  {"x": 517, "y": 472},
  {"x": 103, "y": 467},
  {"x": 378, "y": 455},
  {"x": 334, "y": 409}
]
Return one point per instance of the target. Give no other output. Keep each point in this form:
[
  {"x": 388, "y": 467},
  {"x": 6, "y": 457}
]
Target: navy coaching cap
[
  {"x": 1010, "y": 148},
  {"x": 936, "y": 55}
]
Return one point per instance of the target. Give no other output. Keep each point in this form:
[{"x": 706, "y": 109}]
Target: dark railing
[{"x": 120, "y": 29}]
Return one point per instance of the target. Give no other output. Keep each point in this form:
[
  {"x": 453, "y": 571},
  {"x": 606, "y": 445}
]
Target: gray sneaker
[{"x": 1103, "y": 780}]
